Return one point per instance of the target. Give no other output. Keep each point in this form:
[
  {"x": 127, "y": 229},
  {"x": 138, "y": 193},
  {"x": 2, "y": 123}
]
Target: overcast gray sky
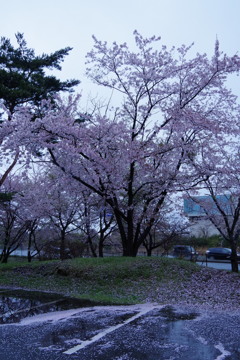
[{"x": 49, "y": 25}]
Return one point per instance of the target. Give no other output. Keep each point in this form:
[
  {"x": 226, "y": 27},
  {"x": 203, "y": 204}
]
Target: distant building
[{"x": 200, "y": 225}]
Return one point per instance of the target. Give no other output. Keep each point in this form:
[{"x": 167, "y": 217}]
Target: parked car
[
  {"x": 220, "y": 253},
  {"x": 185, "y": 251}
]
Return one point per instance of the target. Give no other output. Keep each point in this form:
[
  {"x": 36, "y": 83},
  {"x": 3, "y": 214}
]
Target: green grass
[{"x": 112, "y": 280}]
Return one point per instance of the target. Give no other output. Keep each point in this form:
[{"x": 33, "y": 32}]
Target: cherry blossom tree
[
  {"x": 164, "y": 233},
  {"x": 72, "y": 208},
  {"x": 107, "y": 226},
  {"x": 63, "y": 212},
  {"x": 12, "y": 227},
  {"x": 31, "y": 199},
  {"x": 98, "y": 222},
  {"x": 137, "y": 153},
  {"x": 220, "y": 196}
]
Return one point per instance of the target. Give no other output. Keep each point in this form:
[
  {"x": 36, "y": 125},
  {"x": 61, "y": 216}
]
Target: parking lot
[{"x": 46, "y": 327}]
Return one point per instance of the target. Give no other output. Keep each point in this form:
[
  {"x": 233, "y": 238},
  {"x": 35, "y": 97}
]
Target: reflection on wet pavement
[{"x": 15, "y": 305}]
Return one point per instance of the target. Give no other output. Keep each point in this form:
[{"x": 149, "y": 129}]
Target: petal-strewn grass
[{"x": 123, "y": 280}]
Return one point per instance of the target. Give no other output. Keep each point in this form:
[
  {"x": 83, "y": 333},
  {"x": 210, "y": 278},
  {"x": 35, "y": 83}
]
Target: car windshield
[
  {"x": 227, "y": 251},
  {"x": 221, "y": 250},
  {"x": 183, "y": 248}
]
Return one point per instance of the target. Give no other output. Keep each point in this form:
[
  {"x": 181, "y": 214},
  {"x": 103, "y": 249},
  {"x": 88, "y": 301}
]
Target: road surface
[{"x": 46, "y": 331}]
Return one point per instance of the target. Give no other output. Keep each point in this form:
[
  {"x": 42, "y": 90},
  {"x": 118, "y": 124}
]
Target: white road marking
[
  {"x": 223, "y": 351},
  {"x": 51, "y": 316},
  {"x": 109, "y": 330}
]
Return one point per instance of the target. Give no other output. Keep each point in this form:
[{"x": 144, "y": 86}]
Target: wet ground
[
  {"x": 16, "y": 305},
  {"x": 50, "y": 327}
]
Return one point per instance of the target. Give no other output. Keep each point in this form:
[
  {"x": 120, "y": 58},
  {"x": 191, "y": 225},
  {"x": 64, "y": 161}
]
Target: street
[{"x": 221, "y": 265}]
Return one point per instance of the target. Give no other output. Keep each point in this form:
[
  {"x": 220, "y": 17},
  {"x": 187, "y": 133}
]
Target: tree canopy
[
  {"x": 23, "y": 76},
  {"x": 23, "y": 79}
]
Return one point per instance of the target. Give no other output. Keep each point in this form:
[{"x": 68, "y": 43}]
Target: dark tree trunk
[
  {"x": 4, "y": 259},
  {"x": 5, "y": 256},
  {"x": 63, "y": 246},
  {"x": 149, "y": 252},
  {"x": 29, "y": 256},
  {"x": 234, "y": 264},
  {"x": 29, "y": 247},
  {"x": 94, "y": 254},
  {"x": 130, "y": 249},
  {"x": 234, "y": 260},
  {"x": 100, "y": 248}
]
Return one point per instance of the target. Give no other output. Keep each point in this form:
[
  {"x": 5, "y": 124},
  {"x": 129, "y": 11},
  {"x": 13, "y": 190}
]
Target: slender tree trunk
[
  {"x": 94, "y": 254},
  {"x": 100, "y": 244},
  {"x": 101, "y": 234},
  {"x": 122, "y": 231},
  {"x": 100, "y": 248},
  {"x": 63, "y": 245},
  {"x": 148, "y": 244},
  {"x": 29, "y": 247},
  {"x": 7, "y": 172},
  {"x": 29, "y": 257}
]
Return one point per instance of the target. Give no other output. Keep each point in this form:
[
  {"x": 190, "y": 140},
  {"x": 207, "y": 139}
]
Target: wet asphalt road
[{"x": 139, "y": 332}]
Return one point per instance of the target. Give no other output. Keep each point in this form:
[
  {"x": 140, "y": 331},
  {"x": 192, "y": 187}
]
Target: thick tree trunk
[
  {"x": 149, "y": 252},
  {"x": 126, "y": 231},
  {"x": 234, "y": 261},
  {"x": 5, "y": 256},
  {"x": 234, "y": 258},
  {"x": 130, "y": 249},
  {"x": 4, "y": 259},
  {"x": 234, "y": 264}
]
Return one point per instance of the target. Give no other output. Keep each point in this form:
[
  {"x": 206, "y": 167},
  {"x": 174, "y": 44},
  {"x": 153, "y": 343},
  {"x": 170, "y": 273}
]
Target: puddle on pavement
[
  {"x": 18, "y": 304},
  {"x": 170, "y": 314}
]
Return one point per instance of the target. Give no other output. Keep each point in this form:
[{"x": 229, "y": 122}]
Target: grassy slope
[{"x": 115, "y": 279}]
